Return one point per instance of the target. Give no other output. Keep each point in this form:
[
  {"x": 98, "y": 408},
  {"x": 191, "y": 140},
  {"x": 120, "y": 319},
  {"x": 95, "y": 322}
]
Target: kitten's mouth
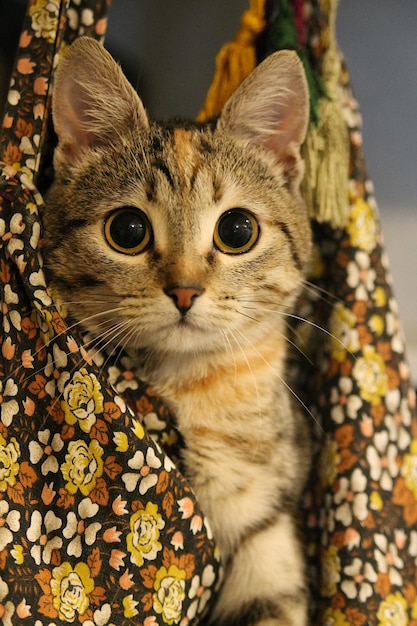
[
  {"x": 184, "y": 322},
  {"x": 184, "y": 335},
  {"x": 186, "y": 328}
]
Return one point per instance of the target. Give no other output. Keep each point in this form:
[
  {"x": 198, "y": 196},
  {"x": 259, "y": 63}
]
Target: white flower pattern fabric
[{"x": 90, "y": 506}]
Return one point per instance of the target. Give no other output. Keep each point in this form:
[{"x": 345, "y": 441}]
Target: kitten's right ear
[
  {"x": 93, "y": 102},
  {"x": 270, "y": 109}
]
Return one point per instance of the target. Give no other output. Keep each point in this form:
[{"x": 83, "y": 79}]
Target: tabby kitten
[{"x": 186, "y": 245}]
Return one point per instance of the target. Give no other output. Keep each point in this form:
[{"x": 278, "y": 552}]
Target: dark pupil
[
  {"x": 235, "y": 229},
  {"x": 128, "y": 229}
]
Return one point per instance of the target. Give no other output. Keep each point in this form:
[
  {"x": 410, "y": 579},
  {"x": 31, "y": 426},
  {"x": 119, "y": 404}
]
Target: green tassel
[
  {"x": 325, "y": 186},
  {"x": 326, "y": 148},
  {"x": 282, "y": 35}
]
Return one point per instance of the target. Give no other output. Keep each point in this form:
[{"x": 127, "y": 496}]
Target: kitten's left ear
[
  {"x": 93, "y": 103},
  {"x": 271, "y": 109}
]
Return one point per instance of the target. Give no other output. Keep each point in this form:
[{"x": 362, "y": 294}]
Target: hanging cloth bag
[{"x": 97, "y": 525}]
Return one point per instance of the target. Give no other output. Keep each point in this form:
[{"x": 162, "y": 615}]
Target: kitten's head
[{"x": 176, "y": 237}]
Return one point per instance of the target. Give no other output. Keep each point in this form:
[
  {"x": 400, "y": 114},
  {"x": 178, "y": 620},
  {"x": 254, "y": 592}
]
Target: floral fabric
[
  {"x": 361, "y": 507},
  {"x": 97, "y": 524}
]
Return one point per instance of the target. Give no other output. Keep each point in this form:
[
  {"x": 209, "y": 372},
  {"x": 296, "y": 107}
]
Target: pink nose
[{"x": 183, "y": 297}]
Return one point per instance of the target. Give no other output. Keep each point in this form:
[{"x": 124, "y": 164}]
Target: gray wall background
[
  {"x": 168, "y": 49},
  {"x": 379, "y": 40}
]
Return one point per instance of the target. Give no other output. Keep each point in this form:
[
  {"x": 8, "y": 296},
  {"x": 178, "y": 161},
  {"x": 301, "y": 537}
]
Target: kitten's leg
[{"x": 265, "y": 584}]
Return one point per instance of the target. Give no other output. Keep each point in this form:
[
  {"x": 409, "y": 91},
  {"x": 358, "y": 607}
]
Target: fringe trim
[{"x": 326, "y": 151}]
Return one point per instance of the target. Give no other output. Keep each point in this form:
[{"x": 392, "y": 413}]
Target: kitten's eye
[
  {"x": 128, "y": 230},
  {"x": 236, "y": 231}
]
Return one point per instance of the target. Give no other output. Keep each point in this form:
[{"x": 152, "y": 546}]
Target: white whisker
[
  {"x": 109, "y": 336},
  {"x": 285, "y": 336},
  {"x": 64, "y": 332},
  {"x": 232, "y": 333},
  {"x": 230, "y": 347},
  {"x": 330, "y": 297},
  {"x": 296, "y": 396},
  {"x": 306, "y": 321}
]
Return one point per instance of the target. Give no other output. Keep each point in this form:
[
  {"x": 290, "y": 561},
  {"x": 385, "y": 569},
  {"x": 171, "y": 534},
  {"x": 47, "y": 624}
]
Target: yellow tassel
[
  {"x": 235, "y": 60},
  {"x": 326, "y": 149}
]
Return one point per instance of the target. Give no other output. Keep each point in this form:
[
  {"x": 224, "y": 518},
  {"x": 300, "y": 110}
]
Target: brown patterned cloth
[
  {"x": 97, "y": 525},
  {"x": 361, "y": 509}
]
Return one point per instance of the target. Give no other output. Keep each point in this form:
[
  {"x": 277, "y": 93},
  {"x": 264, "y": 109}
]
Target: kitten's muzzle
[{"x": 183, "y": 297}]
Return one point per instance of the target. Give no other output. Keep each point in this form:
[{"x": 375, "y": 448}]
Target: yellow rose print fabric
[
  {"x": 71, "y": 589},
  {"x": 145, "y": 530},
  {"x": 97, "y": 524},
  {"x": 83, "y": 400}
]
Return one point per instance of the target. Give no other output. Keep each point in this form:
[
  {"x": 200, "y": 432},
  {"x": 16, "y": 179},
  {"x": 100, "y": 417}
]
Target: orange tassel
[{"x": 235, "y": 60}]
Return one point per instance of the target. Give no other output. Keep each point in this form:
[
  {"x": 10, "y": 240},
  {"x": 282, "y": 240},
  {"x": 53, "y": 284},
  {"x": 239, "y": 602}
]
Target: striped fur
[{"x": 219, "y": 364}]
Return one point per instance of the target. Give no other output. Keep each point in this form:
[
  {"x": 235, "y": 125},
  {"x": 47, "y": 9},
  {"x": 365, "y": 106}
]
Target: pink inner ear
[
  {"x": 290, "y": 129},
  {"x": 68, "y": 116},
  {"x": 287, "y": 155},
  {"x": 94, "y": 114}
]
